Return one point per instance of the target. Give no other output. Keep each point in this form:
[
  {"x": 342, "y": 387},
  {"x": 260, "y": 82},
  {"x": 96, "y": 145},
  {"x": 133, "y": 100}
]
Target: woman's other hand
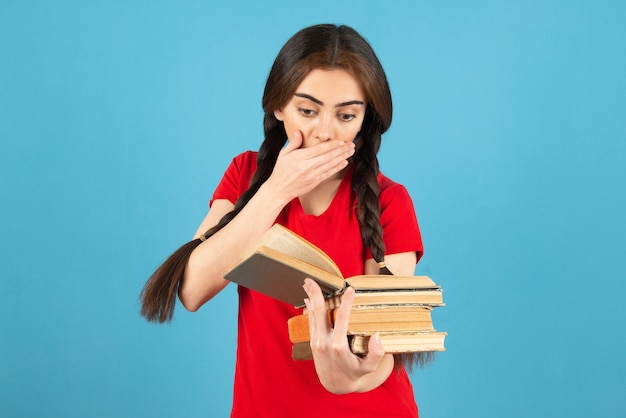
[
  {"x": 299, "y": 170},
  {"x": 339, "y": 370}
]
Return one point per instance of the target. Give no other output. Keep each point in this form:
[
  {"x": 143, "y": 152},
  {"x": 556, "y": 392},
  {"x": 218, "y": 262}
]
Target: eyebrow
[{"x": 319, "y": 102}]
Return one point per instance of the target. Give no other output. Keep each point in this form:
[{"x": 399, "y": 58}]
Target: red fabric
[{"x": 268, "y": 383}]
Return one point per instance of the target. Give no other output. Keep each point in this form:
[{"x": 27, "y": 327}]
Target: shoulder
[
  {"x": 395, "y": 201},
  {"x": 237, "y": 177},
  {"x": 398, "y": 219},
  {"x": 391, "y": 190},
  {"x": 242, "y": 166},
  {"x": 245, "y": 160},
  {"x": 385, "y": 182}
]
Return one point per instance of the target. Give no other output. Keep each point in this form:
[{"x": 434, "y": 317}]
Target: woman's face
[{"x": 329, "y": 105}]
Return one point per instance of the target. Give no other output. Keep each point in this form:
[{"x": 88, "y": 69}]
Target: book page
[
  {"x": 377, "y": 282},
  {"x": 287, "y": 242}
]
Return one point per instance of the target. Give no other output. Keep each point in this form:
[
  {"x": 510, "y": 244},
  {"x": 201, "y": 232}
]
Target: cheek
[
  {"x": 290, "y": 128},
  {"x": 292, "y": 125},
  {"x": 353, "y": 131},
  {"x": 290, "y": 120}
]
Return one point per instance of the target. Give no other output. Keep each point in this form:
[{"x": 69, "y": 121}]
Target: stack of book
[{"x": 398, "y": 308}]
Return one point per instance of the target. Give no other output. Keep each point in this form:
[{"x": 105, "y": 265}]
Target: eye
[
  {"x": 346, "y": 117},
  {"x": 306, "y": 112}
]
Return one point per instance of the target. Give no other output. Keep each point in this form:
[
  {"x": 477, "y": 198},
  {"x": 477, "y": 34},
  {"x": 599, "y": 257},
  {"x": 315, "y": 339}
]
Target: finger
[
  {"x": 375, "y": 348},
  {"x": 375, "y": 353},
  {"x": 331, "y": 167},
  {"x": 330, "y": 149},
  {"x": 342, "y": 316},
  {"x": 294, "y": 142},
  {"x": 316, "y": 306},
  {"x": 324, "y": 165}
]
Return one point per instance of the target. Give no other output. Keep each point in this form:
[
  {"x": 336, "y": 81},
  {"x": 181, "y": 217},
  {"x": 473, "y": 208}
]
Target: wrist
[{"x": 273, "y": 196}]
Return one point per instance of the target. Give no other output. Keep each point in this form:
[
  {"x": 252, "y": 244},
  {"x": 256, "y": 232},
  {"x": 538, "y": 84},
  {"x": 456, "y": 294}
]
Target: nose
[{"x": 324, "y": 128}]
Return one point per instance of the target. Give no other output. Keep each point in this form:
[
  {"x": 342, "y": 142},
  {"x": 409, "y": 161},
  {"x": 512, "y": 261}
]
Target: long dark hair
[{"x": 316, "y": 47}]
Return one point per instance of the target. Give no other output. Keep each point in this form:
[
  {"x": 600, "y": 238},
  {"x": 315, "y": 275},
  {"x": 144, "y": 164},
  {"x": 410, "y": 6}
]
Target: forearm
[
  {"x": 211, "y": 260},
  {"x": 297, "y": 171}
]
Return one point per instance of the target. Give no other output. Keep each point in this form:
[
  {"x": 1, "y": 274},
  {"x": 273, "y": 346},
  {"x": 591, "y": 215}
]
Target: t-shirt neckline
[{"x": 345, "y": 183}]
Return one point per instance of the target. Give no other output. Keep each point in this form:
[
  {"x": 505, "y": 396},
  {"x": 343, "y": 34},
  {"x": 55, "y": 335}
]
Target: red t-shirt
[{"x": 268, "y": 382}]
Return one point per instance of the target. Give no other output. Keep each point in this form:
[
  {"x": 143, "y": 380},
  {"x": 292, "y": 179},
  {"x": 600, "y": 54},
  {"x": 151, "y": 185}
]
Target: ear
[{"x": 278, "y": 114}]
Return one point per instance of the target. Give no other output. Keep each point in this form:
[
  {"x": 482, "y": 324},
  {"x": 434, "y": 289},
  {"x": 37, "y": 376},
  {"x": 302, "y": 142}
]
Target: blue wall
[{"x": 118, "y": 118}]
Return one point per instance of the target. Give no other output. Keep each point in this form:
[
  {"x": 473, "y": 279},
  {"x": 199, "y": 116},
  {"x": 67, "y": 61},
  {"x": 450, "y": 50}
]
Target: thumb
[{"x": 295, "y": 142}]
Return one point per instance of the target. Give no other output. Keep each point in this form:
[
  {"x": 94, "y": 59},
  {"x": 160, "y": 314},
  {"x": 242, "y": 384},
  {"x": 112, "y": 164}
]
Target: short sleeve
[
  {"x": 236, "y": 179},
  {"x": 401, "y": 231}
]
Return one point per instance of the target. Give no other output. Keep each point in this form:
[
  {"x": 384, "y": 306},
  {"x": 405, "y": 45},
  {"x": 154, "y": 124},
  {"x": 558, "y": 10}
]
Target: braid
[
  {"x": 365, "y": 186},
  {"x": 266, "y": 159},
  {"x": 367, "y": 190},
  {"x": 158, "y": 296}
]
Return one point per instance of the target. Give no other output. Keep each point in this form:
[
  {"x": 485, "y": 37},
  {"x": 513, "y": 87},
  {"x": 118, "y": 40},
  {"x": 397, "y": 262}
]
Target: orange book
[{"x": 369, "y": 320}]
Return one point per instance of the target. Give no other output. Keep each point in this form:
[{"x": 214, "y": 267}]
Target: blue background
[{"x": 118, "y": 118}]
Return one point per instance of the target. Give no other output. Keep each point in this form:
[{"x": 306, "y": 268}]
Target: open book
[{"x": 279, "y": 261}]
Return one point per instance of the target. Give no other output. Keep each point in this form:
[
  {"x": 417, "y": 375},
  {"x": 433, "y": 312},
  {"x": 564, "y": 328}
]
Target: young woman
[{"x": 327, "y": 103}]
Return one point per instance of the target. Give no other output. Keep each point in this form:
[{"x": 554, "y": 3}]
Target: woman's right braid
[{"x": 365, "y": 186}]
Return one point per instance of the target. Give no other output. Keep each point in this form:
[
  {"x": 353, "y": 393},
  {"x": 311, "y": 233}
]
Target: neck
[{"x": 319, "y": 199}]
